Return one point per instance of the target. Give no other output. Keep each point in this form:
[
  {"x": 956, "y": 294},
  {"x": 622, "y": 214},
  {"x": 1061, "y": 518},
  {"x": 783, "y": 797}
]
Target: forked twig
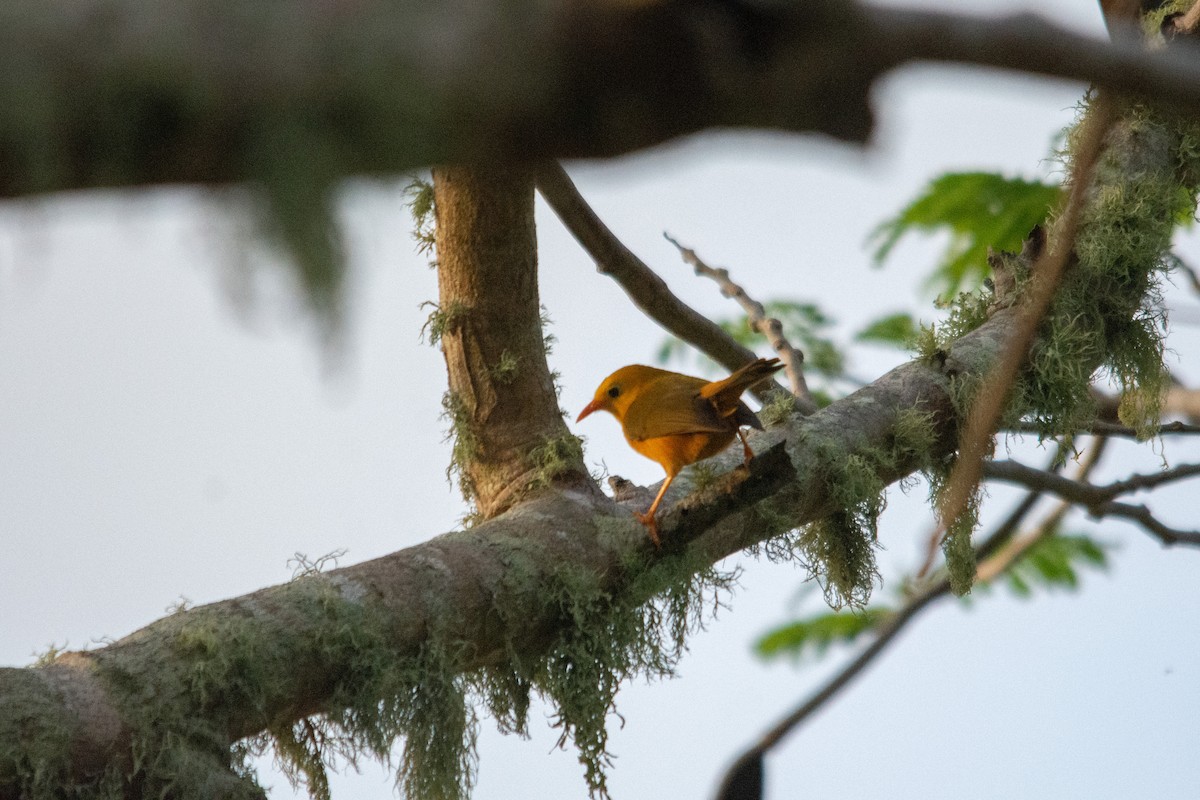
[{"x": 770, "y": 327}]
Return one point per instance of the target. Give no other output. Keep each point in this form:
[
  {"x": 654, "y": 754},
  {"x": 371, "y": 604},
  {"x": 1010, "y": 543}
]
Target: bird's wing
[{"x": 672, "y": 408}]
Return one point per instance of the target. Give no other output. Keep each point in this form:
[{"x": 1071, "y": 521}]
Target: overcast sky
[{"x": 164, "y": 436}]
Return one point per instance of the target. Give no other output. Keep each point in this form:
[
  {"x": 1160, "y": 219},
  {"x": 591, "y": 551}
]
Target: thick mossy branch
[
  {"x": 35, "y": 757},
  {"x": 1107, "y": 316},
  {"x": 550, "y": 597},
  {"x": 606, "y": 639},
  {"x": 838, "y": 550}
]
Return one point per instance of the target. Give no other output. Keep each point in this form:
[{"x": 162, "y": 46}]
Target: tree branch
[
  {"x": 103, "y": 93},
  {"x": 1101, "y": 428},
  {"x": 1098, "y": 500},
  {"x": 123, "y": 92},
  {"x": 1084, "y": 494},
  {"x": 1143, "y": 516},
  {"x": 305, "y": 639}
]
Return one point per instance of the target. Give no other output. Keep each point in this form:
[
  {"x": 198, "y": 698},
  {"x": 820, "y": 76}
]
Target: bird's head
[{"x": 618, "y": 390}]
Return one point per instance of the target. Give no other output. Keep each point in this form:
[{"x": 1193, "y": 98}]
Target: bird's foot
[
  {"x": 747, "y": 453},
  {"x": 651, "y": 527}
]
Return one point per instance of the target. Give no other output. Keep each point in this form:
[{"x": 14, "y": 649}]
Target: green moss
[
  {"x": 701, "y": 476},
  {"x": 555, "y": 458},
  {"x": 216, "y": 661},
  {"x": 548, "y": 339},
  {"x": 463, "y": 443},
  {"x": 505, "y": 370},
  {"x": 421, "y": 699},
  {"x": 1107, "y": 316},
  {"x": 37, "y": 731},
  {"x": 420, "y": 196},
  {"x": 442, "y": 320},
  {"x": 778, "y": 409},
  {"x": 1153, "y": 18},
  {"x": 606, "y": 639},
  {"x": 839, "y": 551},
  {"x": 914, "y": 435}
]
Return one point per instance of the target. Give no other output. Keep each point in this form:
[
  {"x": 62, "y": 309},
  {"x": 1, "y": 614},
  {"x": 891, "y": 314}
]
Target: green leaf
[
  {"x": 1054, "y": 563},
  {"x": 980, "y": 210},
  {"x": 898, "y": 330},
  {"x": 813, "y": 636}
]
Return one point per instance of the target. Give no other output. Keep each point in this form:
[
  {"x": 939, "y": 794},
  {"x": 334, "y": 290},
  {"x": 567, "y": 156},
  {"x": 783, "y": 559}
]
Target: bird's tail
[{"x": 725, "y": 393}]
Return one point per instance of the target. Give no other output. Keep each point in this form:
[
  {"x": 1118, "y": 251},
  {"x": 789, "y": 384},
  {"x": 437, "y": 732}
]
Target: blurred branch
[
  {"x": 645, "y": 288},
  {"x": 771, "y": 328},
  {"x": 1047, "y": 268},
  {"x": 137, "y": 92}
]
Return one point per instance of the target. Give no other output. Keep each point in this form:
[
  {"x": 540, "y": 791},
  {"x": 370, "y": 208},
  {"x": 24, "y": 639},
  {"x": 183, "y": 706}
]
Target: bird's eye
[{"x": 614, "y": 391}]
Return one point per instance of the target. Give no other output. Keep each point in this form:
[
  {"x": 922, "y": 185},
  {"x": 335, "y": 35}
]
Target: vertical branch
[{"x": 502, "y": 404}]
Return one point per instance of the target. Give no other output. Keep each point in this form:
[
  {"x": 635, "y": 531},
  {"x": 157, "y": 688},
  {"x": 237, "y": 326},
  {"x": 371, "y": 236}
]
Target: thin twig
[
  {"x": 1101, "y": 428},
  {"x": 1048, "y": 271},
  {"x": 645, "y": 288},
  {"x": 1080, "y": 492},
  {"x": 771, "y": 328},
  {"x": 987, "y": 569},
  {"x": 1098, "y": 500},
  {"x": 1144, "y": 517}
]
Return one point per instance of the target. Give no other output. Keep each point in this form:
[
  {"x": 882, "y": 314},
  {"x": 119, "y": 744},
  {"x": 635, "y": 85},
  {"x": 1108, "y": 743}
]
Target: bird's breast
[{"x": 678, "y": 450}]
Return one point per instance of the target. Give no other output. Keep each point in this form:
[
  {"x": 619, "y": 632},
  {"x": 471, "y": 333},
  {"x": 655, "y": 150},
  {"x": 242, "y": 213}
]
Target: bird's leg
[
  {"x": 648, "y": 519},
  {"x": 747, "y": 453}
]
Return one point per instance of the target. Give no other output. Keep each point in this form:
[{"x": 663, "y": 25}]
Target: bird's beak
[{"x": 589, "y": 408}]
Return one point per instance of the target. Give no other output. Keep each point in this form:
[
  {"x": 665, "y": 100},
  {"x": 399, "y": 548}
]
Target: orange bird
[{"x": 676, "y": 419}]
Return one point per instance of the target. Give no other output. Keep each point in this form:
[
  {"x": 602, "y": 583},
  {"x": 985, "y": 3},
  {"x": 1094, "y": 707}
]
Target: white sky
[{"x": 158, "y": 440}]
